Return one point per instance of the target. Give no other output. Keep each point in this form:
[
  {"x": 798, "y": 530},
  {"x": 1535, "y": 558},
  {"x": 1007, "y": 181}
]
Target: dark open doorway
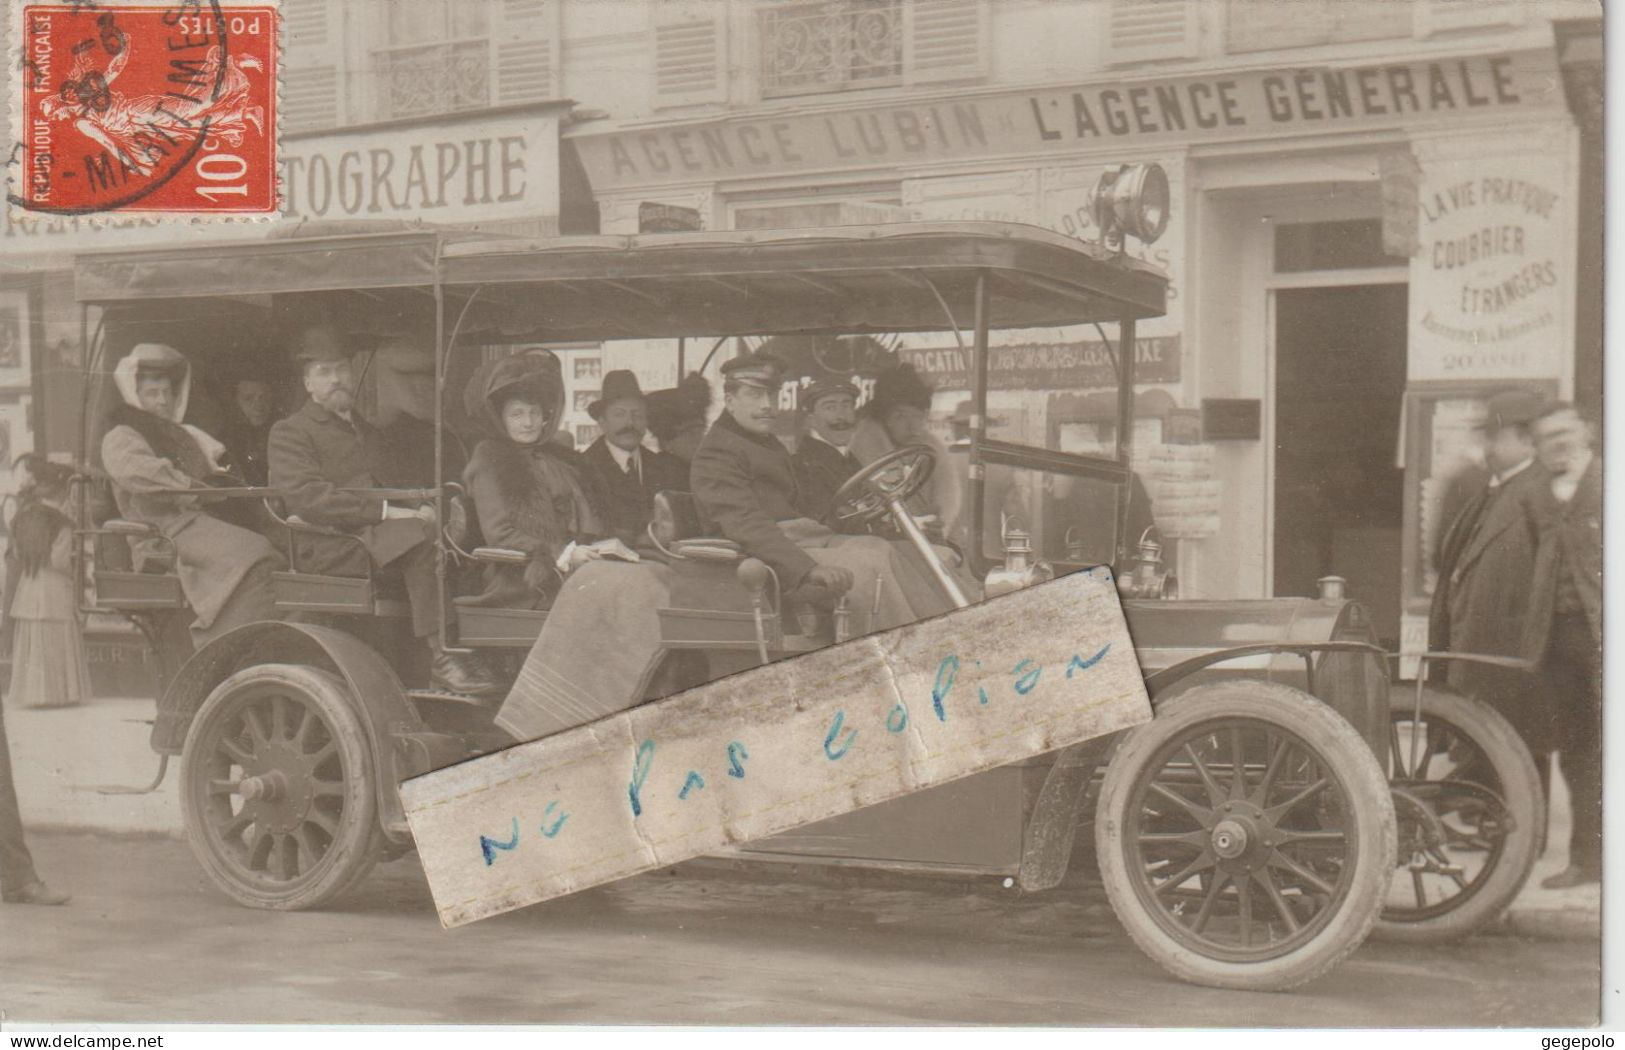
[{"x": 1340, "y": 382}]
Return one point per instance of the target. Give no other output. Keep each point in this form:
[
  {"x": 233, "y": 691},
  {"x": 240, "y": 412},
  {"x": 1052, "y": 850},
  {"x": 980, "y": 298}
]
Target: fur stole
[
  {"x": 166, "y": 439},
  {"x": 520, "y": 485}
]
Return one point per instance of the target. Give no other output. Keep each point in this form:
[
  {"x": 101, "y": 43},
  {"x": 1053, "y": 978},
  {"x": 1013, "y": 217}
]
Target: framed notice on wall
[{"x": 15, "y": 337}]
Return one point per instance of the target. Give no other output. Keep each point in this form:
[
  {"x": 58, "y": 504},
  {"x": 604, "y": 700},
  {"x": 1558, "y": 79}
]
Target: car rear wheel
[
  {"x": 1245, "y": 836},
  {"x": 277, "y": 788},
  {"x": 1472, "y": 817}
]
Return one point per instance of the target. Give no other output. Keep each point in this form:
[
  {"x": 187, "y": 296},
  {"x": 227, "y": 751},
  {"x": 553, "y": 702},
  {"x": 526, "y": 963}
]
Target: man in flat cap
[
  {"x": 1486, "y": 568},
  {"x": 745, "y": 482},
  {"x": 321, "y": 457},
  {"x": 631, "y": 473},
  {"x": 823, "y": 458}
]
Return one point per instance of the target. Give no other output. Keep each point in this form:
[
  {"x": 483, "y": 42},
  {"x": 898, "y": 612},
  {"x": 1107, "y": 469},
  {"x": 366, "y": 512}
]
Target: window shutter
[
  {"x": 1141, "y": 30},
  {"x": 312, "y": 36},
  {"x": 1442, "y": 16},
  {"x": 945, "y": 40},
  {"x": 691, "y": 61},
  {"x": 526, "y": 38}
]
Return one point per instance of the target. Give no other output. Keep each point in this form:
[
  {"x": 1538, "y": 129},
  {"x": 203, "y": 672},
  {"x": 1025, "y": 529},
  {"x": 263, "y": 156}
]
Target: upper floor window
[
  {"x": 831, "y": 45},
  {"x": 1264, "y": 25},
  {"x": 437, "y": 59}
]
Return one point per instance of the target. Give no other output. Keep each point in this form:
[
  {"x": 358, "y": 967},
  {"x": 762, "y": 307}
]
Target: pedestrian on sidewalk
[
  {"x": 1564, "y": 628},
  {"x": 48, "y": 667},
  {"x": 19, "y": 882}
]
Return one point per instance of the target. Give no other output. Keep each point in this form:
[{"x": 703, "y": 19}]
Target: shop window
[
  {"x": 1353, "y": 244},
  {"x": 443, "y": 56},
  {"x": 1265, "y": 25},
  {"x": 588, "y": 367},
  {"x": 586, "y": 434},
  {"x": 822, "y": 46}
]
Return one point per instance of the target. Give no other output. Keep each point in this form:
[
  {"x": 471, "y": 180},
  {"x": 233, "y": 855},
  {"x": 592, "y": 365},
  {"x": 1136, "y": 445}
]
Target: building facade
[{"x": 1377, "y": 213}]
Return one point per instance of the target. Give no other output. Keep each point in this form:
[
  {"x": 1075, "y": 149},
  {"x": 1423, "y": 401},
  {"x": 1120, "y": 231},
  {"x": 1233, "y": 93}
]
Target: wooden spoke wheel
[
  {"x": 1246, "y": 836},
  {"x": 277, "y": 788},
  {"x": 1472, "y": 818}
]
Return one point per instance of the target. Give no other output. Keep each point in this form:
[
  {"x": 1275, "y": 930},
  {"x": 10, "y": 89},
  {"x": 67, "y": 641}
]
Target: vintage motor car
[{"x": 1246, "y": 836}]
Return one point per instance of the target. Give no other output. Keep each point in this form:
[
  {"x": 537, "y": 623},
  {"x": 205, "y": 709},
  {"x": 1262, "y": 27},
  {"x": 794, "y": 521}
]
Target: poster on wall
[
  {"x": 1492, "y": 285},
  {"x": 14, "y": 339}
]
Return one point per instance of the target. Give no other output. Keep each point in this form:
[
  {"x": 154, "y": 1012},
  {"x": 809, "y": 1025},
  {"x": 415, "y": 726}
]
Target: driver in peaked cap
[{"x": 745, "y": 482}]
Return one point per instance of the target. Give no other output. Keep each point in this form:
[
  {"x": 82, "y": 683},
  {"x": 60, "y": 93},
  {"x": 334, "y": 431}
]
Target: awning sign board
[{"x": 779, "y": 746}]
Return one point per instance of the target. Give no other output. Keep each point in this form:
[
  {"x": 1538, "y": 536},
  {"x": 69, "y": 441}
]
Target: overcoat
[
  {"x": 821, "y": 470},
  {"x": 314, "y": 457},
  {"x": 1570, "y": 543},
  {"x": 630, "y": 501},
  {"x": 1490, "y": 579},
  {"x": 212, "y": 557},
  {"x": 746, "y": 484}
]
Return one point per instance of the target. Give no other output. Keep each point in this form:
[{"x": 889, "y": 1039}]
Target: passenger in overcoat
[
  {"x": 744, "y": 482},
  {"x": 631, "y": 473},
  {"x": 1487, "y": 567},
  {"x": 320, "y": 458},
  {"x": 225, "y": 571},
  {"x": 823, "y": 459},
  {"x": 530, "y": 494},
  {"x": 1563, "y": 633}
]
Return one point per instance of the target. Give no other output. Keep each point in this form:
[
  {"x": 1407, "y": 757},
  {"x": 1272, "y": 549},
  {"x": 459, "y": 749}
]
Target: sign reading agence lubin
[{"x": 1242, "y": 105}]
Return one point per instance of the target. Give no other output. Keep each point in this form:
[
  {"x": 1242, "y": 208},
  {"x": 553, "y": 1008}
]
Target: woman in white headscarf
[{"x": 152, "y": 458}]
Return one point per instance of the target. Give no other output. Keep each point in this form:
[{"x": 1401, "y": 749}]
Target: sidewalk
[{"x": 59, "y": 755}]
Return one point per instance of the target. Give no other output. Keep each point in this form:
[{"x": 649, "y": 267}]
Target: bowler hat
[
  {"x": 1511, "y": 408},
  {"x": 827, "y": 386},
  {"x": 320, "y": 343},
  {"x": 760, "y": 369},
  {"x": 620, "y": 383}
]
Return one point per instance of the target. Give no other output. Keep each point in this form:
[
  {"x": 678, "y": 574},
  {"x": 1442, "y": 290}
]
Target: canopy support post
[
  {"x": 1125, "y": 428},
  {"x": 439, "y": 538},
  {"x": 977, "y": 473}
]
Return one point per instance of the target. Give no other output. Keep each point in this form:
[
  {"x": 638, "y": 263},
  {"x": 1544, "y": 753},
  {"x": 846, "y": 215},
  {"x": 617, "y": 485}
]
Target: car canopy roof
[{"x": 840, "y": 279}]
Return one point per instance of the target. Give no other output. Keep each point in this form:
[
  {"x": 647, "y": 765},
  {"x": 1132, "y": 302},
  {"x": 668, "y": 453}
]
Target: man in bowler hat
[
  {"x": 631, "y": 473},
  {"x": 322, "y": 458},
  {"x": 1486, "y": 567},
  {"x": 1564, "y": 628}
]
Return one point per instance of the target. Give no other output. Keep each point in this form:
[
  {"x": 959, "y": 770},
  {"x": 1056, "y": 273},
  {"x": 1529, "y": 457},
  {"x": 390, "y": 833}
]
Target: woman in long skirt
[{"x": 47, "y": 652}]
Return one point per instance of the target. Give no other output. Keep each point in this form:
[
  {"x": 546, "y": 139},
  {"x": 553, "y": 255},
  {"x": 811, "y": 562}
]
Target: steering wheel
[{"x": 897, "y": 475}]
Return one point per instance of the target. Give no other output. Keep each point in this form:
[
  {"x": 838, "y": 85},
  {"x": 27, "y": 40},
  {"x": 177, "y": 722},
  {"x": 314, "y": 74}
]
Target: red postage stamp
[{"x": 121, "y": 108}]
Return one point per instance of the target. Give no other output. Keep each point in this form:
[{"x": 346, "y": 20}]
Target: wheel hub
[
  {"x": 285, "y": 788},
  {"x": 1230, "y": 839},
  {"x": 1240, "y": 836}
]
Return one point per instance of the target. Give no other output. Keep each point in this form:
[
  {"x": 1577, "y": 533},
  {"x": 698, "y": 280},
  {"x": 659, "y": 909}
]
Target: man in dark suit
[
  {"x": 631, "y": 473},
  {"x": 319, "y": 458},
  {"x": 1486, "y": 565},
  {"x": 744, "y": 481},
  {"x": 1564, "y": 629},
  {"x": 823, "y": 458}
]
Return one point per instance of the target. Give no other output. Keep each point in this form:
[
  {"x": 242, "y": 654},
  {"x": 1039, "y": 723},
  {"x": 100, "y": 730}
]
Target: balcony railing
[
  {"x": 433, "y": 78},
  {"x": 835, "y": 45}
]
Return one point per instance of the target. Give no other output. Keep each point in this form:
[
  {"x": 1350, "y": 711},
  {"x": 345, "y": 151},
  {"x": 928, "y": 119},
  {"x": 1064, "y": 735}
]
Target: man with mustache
[
  {"x": 745, "y": 483},
  {"x": 631, "y": 473},
  {"x": 824, "y": 459},
  {"x": 322, "y": 458}
]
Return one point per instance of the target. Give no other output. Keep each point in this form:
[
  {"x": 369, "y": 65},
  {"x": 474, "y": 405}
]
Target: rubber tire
[
  {"x": 354, "y": 850},
  {"x": 1343, "y": 751},
  {"x": 1520, "y": 784}
]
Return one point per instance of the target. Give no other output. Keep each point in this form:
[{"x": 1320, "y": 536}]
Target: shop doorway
[{"x": 1339, "y": 492}]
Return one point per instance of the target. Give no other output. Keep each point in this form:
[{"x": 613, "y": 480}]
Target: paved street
[{"x": 147, "y": 939}]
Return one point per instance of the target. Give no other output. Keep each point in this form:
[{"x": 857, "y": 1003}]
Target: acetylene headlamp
[{"x": 1131, "y": 201}]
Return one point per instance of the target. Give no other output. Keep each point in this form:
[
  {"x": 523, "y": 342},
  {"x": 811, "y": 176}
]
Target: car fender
[{"x": 402, "y": 744}]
